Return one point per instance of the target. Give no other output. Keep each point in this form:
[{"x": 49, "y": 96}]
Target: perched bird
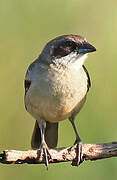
[{"x": 56, "y": 86}]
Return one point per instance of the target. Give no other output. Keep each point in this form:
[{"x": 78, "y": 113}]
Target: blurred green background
[{"x": 25, "y": 27}]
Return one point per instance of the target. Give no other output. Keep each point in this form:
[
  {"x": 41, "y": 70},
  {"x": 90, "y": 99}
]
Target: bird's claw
[
  {"x": 44, "y": 154},
  {"x": 79, "y": 156}
]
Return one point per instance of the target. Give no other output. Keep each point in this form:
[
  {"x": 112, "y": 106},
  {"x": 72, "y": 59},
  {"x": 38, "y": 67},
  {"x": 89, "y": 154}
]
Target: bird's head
[{"x": 66, "y": 50}]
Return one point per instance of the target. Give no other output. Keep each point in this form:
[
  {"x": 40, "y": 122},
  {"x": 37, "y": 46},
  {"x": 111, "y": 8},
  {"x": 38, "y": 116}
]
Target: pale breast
[{"x": 55, "y": 95}]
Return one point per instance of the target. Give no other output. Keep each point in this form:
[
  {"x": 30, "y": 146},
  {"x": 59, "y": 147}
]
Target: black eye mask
[{"x": 63, "y": 49}]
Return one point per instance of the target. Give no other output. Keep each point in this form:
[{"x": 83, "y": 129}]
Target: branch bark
[{"x": 90, "y": 152}]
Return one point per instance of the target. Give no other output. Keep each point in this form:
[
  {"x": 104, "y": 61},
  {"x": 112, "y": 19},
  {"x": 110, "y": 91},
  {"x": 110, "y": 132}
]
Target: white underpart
[{"x": 73, "y": 60}]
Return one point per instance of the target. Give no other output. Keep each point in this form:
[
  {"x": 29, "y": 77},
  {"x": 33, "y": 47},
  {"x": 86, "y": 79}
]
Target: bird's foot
[
  {"x": 44, "y": 153},
  {"x": 79, "y": 156}
]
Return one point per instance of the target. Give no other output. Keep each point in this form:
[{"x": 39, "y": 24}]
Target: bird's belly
[{"x": 55, "y": 102}]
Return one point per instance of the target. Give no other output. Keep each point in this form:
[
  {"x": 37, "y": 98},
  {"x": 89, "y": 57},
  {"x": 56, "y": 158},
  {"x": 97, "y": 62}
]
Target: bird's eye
[
  {"x": 59, "y": 52},
  {"x": 63, "y": 49},
  {"x": 72, "y": 45},
  {"x": 69, "y": 43}
]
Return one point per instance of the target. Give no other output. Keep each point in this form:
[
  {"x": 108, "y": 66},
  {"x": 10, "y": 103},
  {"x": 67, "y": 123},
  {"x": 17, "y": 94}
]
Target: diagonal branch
[{"x": 90, "y": 152}]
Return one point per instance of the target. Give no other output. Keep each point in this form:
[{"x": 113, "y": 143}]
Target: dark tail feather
[
  {"x": 51, "y": 135},
  {"x": 36, "y": 137}
]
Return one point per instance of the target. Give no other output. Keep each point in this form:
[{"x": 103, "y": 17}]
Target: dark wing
[
  {"x": 27, "y": 84},
  {"x": 88, "y": 80},
  {"x": 27, "y": 81}
]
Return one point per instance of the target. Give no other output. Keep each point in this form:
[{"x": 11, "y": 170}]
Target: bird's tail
[{"x": 51, "y": 135}]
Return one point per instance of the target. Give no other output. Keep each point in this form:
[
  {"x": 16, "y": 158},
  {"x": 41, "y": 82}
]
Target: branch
[{"x": 90, "y": 152}]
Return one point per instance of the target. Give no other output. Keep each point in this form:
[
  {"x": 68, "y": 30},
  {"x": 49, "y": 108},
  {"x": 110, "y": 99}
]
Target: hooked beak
[{"x": 86, "y": 48}]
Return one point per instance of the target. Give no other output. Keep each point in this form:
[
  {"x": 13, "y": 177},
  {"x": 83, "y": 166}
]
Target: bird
[{"x": 56, "y": 87}]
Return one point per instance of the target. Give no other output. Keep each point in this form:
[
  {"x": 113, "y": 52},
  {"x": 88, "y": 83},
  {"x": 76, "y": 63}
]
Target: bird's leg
[
  {"x": 79, "y": 157},
  {"x": 44, "y": 150}
]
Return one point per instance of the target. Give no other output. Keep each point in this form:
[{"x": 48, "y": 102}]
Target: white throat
[
  {"x": 71, "y": 61},
  {"x": 79, "y": 61}
]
